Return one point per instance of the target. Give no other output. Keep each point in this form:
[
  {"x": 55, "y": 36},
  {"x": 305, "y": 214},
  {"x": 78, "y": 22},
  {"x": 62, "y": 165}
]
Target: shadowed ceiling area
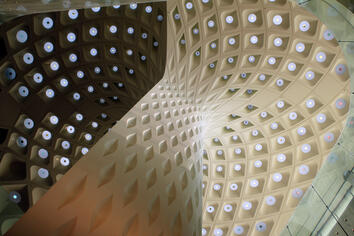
[{"x": 66, "y": 79}]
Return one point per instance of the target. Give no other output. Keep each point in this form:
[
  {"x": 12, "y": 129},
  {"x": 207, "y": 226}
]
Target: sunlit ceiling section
[
  {"x": 66, "y": 78},
  {"x": 281, "y": 94}
]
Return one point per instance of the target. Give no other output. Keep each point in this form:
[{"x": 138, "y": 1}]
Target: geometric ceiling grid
[
  {"x": 66, "y": 79},
  {"x": 226, "y": 128}
]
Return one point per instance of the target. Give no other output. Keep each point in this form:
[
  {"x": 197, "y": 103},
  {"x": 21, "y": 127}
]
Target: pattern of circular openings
[
  {"x": 65, "y": 80},
  {"x": 202, "y": 86},
  {"x": 282, "y": 107}
]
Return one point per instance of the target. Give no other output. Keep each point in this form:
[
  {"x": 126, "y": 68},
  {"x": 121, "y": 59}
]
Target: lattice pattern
[
  {"x": 66, "y": 78},
  {"x": 229, "y": 79}
]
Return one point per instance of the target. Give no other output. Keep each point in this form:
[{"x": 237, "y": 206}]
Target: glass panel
[{"x": 320, "y": 210}]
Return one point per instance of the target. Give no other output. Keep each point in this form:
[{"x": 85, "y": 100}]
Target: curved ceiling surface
[
  {"x": 66, "y": 78},
  {"x": 254, "y": 96}
]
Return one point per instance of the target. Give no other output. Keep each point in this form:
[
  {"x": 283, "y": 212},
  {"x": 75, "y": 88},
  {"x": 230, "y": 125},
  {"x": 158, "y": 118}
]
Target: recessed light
[
  {"x": 292, "y": 115},
  {"x": 304, "y": 169},
  {"x": 238, "y": 151},
  {"x": 254, "y": 39},
  {"x": 258, "y": 147},
  {"x": 291, "y": 66},
  {"x": 238, "y": 230},
  {"x": 54, "y": 66},
  {"x": 93, "y": 31},
  {"x": 272, "y": 61},
  {"x": 218, "y": 232},
  {"x": 73, "y": 14},
  {"x": 80, "y": 74},
  {"x": 306, "y": 148},
  {"x": 210, "y": 209},
  {"x": 233, "y": 187},
  {"x": 277, "y": 42},
  {"x": 340, "y": 69},
  {"x": 340, "y": 103},
  {"x": 49, "y": 93},
  {"x": 310, "y": 103},
  {"x": 28, "y": 58},
  {"x": 328, "y": 35},
  {"x": 254, "y": 183},
  {"x": 72, "y": 57},
  {"x": 274, "y": 126},
  {"x": 71, "y": 37},
  {"x": 232, "y": 41},
  {"x": 237, "y": 167},
  {"x": 277, "y": 19},
  {"x": 219, "y": 169},
  {"x": 252, "y": 18},
  {"x": 21, "y": 36},
  {"x": 38, "y": 78},
  {"x": 211, "y": 23},
  {"x": 113, "y": 29},
  {"x": 279, "y": 82},
  {"x": 47, "y": 22},
  {"x": 270, "y": 200},
  {"x": 281, "y": 157},
  {"x": 228, "y": 208},
  {"x": 64, "y": 161},
  {"x": 321, "y": 57},
  {"x": 148, "y": 9},
  {"x": 189, "y": 5},
  {"x": 247, "y": 205},
  {"x": 301, "y": 131},
  {"x": 297, "y": 193},
  {"x": 43, "y": 173},
  {"x": 217, "y": 187},
  {"x": 251, "y": 59},
  {"x": 321, "y": 118},
  {"x": 310, "y": 75},
  {"x": 46, "y": 135},
  {"x": 96, "y": 9},
  {"x": 277, "y": 177},
  {"x": 229, "y": 19},
  {"x": 43, "y": 153},
  {"x": 21, "y": 142},
  {"x": 280, "y": 104},
  {"x": 54, "y": 120},
  {"x": 93, "y": 52},
  {"x": 261, "y": 226},
  {"x": 28, "y": 123},
  {"x": 300, "y": 47},
  {"x": 133, "y": 6},
  {"x": 281, "y": 140},
  {"x": 304, "y": 26}
]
